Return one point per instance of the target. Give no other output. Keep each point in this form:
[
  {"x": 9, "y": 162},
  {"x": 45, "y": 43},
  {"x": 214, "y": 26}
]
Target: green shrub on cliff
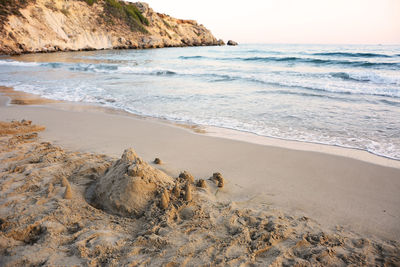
[
  {"x": 133, "y": 12},
  {"x": 113, "y": 10},
  {"x": 90, "y": 2},
  {"x": 127, "y": 12}
]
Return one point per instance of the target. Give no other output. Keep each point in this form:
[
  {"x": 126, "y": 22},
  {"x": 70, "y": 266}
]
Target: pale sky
[{"x": 292, "y": 21}]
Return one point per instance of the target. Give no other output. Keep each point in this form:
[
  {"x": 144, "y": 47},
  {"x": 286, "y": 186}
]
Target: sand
[
  {"x": 55, "y": 209},
  {"x": 261, "y": 215}
]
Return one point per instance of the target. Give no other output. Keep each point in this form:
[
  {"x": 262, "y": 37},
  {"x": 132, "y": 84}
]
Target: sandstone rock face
[
  {"x": 230, "y": 42},
  {"x": 65, "y": 25},
  {"x": 220, "y": 42}
]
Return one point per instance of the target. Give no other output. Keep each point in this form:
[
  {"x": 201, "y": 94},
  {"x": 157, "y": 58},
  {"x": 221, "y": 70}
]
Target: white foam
[{"x": 18, "y": 63}]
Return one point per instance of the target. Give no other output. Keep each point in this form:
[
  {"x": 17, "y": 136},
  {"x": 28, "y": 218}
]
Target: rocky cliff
[{"x": 28, "y": 26}]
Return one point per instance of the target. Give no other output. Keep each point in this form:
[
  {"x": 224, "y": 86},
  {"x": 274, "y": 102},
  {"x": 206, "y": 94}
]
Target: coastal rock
[
  {"x": 231, "y": 42},
  {"x": 220, "y": 42},
  {"x": 33, "y": 26}
]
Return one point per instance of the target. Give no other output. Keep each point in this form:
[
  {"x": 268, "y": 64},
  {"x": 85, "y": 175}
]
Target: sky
[{"x": 292, "y": 21}]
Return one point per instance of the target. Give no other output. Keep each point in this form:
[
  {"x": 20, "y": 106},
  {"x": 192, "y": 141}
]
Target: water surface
[{"x": 345, "y": 95}]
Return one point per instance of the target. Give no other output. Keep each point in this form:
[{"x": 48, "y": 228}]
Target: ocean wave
[
  {"x": 336, "y": 54},
  {"x": 18, "y": 63},
  {"x": 307, "y": 60},
  {"x": 93, "y": 67},
  {"x": 165, "y": 72},
  {"x": 345, "y": 76},
  {"x": 104, "y": 68},
  {"x": 146, "y": 71},
  {"x": 192, "y": 57},
  {"x": 322, "y": 94},
  {"x": 108, "y": 68},
  {"x": 357, "y": 77},
  {"x": 53, "y": 65},
  {"x": 348, "y": 54},
  {"x": 303, "y": 94},
  {"x": 321, "y": 61},
  {"x": 324, "y": 89},
  {"x": 389, "y": 102},
  {"x": 258, "y": 51},
  {"x": 223, "y": 78},
  {"x": 366, "y": 77},
  {"x": 215, "y": 77},
  {"x": 290, "y": 83}
]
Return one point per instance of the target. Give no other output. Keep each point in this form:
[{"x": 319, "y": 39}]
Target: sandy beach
[
  {"x": 341, "y": 196},
  {"x": 217, "y": 134}
]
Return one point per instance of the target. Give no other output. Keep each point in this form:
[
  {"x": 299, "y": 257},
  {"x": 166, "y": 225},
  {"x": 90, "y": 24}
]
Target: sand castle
[
  {"x": 217, "y": 177},
  {"x": 187, "y": 176},
  {"x": 129, "y": 186},
  {"x": 164, "y": 199},
  {"x": 68, "y": 190},
  {"x": 201, "y": 183},
  {"x": 188, "y": 192}
]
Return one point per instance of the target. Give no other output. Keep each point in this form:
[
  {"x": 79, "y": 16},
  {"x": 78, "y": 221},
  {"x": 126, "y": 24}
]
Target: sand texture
[
  {"x": 59, "y": 207},
  {"x": 334, "y": 190}
]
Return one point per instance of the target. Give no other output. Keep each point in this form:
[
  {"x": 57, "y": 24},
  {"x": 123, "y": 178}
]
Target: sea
[{"x": 341, "y": 95}]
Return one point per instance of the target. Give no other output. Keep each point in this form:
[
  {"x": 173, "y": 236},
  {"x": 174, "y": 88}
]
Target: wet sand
[{"x": 22, "y": 98}]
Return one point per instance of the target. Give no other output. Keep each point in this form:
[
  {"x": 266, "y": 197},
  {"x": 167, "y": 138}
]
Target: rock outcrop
[
  {"x": 231, "y": 42},
  {"x": 72, "y": 25}
]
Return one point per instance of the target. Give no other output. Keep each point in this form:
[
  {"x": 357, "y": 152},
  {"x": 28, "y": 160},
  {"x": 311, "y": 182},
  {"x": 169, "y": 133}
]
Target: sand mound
[{"x": 129, "y": 186}]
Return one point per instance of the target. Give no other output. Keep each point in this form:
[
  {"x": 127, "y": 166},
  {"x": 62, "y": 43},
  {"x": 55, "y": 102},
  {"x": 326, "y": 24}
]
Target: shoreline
[
  {"x": 40, "y": 52},
  {"x": 334, "y": 190},
  {"x": 337, "y": 150},
  {"x": 23, "y": 98}
]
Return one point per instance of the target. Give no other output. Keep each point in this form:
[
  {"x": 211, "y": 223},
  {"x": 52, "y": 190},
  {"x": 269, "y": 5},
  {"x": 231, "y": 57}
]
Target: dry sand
[{"x": 261, "y": 215}]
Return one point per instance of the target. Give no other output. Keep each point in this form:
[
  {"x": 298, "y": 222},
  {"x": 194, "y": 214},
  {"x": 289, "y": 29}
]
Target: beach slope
[{"x": 54, "y": 209}]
